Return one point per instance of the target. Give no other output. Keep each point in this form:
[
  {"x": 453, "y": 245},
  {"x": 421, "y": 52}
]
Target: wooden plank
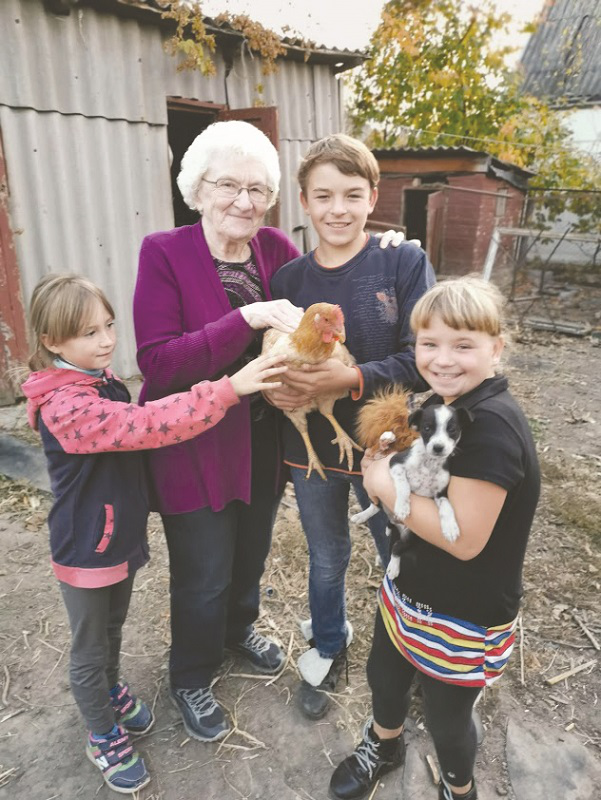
[
  {"x": 13, "y": 327},
  {"x": 570, "y": 672},
  {"x": 568, "y": 237}
]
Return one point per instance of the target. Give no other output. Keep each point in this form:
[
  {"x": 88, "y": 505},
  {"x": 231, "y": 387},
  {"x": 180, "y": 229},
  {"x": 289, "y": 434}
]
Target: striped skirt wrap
[{"x": 449, "y": 649}]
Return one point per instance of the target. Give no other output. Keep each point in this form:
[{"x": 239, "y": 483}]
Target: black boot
[
  {"x": 444, "y": 793},
  {"x": 313, "y": 701},
  {"x": 356, "y": 776}
]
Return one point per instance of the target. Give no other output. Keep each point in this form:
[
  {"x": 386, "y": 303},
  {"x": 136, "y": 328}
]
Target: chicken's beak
[{"x": 340, "y": 334}]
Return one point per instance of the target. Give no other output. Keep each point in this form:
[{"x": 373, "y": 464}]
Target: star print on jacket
[
  {"x": 93, "y": 439},
  {"x": 94, "y": 423}
]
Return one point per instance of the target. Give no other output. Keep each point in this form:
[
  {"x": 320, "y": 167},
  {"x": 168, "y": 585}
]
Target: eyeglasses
[{"x": 258, "y": 194}]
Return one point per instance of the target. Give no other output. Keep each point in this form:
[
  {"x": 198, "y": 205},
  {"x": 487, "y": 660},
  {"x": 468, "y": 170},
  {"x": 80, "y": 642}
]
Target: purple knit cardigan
[{"x": 186, "y": 331}]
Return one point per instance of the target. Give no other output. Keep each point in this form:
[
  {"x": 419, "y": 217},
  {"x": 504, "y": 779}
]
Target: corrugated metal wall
[{"x": 83, "y": 117}]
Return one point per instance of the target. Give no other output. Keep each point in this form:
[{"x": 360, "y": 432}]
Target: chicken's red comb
[{"x": 338, "y": 314}]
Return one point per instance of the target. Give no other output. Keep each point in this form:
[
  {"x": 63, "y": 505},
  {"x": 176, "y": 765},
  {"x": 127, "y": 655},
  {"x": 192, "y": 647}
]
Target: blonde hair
[
  {"x": 59, "y": 307},
  {"x": 348, "y": 155},
  {"x": 469, "y": 303}
]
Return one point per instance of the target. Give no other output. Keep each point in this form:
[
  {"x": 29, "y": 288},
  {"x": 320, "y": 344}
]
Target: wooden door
[
  {"x": 435, "y": 228},
  {"x": 266, "y": 120}
]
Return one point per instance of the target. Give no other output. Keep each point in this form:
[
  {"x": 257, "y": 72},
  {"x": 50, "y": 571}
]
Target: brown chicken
[{"x": 319, "y": 336}]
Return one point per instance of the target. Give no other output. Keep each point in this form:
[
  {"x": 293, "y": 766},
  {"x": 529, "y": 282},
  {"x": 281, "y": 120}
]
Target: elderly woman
[{"x": 201, "y": 299}]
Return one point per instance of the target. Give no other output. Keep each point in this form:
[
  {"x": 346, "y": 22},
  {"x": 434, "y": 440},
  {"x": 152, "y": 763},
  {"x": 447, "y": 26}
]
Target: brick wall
[
  {"x": 389, "y": 207},
  {"x": 471, "y": 219},
  {"x": 467, "y": 219}
]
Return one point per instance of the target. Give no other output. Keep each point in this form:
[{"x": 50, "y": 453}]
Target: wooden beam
[
  {"x": 13, "y": 327},
  {"x": 410, "y": 165},
  {"x": 569, "y": 237}
]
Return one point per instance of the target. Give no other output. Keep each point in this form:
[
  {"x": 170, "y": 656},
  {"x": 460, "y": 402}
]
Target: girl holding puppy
[
  {"x": 450, "y": 615},
  {"x": 92, "y": 435}
]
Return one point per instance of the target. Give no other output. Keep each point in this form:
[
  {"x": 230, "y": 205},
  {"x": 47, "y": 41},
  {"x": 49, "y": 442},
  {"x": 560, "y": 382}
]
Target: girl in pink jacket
[{"x": 93, "y": 438}]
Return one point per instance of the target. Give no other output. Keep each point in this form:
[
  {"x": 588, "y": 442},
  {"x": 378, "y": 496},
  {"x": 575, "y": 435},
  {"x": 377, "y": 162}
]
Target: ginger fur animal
[{"x": 386, "y": 412}]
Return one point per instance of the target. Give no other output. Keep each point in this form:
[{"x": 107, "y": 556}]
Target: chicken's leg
[
  {"x": 343, "y": 440},
  {"x": 313, "y": 462}
]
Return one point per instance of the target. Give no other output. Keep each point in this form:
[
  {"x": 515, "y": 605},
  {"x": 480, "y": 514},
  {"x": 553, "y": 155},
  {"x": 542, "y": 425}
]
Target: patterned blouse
[{"x": 242, "y": 284}]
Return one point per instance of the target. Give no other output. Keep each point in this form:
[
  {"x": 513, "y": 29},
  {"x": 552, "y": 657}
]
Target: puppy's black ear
[
  {"x": 465, "y": 416},
  {"x": 415, "y": 418}
]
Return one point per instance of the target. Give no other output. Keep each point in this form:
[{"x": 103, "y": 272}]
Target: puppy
[{"x": 422, "y": 469}]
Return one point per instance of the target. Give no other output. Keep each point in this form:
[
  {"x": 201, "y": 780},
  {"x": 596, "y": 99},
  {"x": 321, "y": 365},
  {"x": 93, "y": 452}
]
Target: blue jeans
[{"x": 323, "y": 507}]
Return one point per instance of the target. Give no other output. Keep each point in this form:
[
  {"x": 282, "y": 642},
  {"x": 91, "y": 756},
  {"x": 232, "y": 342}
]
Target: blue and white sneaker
[
  {"x": 263, "y": 653},
  {"x": 131, "y": 713},
  {"x": 202, "y": 715},
  {"x": 122, "y": 768}
]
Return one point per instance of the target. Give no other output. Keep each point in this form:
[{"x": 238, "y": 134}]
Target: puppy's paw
[
  {"x": 363, "y": 516},
  {"x": 448, "y": 523},
  {"x": 402, "y": 509},
  {"x": 450, "y": 531},
  {"x": 387, "y": 439},
  {"x": 394, "y": 567}
]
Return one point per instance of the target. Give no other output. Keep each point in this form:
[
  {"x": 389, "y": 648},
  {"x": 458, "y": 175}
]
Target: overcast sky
[{"x": 345, "y": 23}]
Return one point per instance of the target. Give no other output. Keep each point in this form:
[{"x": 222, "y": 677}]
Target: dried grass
[{"x": 562, "y": 582}]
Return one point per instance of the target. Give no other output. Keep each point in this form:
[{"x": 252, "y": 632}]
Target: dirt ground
[{"x": 273, "y": 752}]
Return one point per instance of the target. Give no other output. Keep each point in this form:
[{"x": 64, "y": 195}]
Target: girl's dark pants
[
  {"x": 216, "y": 560},
  {"x": 96, "y": 617},
  {"x": 448, "y": 708}
]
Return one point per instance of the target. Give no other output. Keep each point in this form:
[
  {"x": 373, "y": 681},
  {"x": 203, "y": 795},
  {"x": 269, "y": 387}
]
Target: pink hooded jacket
[{"x": 92, "y": 436}]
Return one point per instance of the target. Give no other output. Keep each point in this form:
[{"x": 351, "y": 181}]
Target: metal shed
[
  {"x": 451, "y": 198},
  {"x": 90, "y": 107}
]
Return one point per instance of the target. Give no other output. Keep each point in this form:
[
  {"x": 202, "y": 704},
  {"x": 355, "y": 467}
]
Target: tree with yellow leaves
[{"x": 435, "y": 76}]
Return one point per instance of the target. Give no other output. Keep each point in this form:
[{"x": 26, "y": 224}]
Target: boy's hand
[
  {"x": 286, "y": 399},
  {"x": 329, "y": 376},
  {"x": 253, "y": 377}
]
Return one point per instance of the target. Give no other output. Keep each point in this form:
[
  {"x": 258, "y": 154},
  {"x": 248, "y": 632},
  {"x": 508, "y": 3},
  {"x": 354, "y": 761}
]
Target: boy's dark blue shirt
[{"x": 376, "y": 290}]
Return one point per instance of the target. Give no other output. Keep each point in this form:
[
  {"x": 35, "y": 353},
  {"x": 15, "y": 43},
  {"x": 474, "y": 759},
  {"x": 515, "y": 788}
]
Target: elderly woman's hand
[{"x": 278, "y": 314}]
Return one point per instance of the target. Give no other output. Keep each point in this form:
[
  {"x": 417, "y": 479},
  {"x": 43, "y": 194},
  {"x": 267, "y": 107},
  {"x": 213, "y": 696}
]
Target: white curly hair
[{"x": 224, "y": 139}]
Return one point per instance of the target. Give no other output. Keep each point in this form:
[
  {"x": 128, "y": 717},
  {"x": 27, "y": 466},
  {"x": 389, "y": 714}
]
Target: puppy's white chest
[{"x": 426, "y": 481}]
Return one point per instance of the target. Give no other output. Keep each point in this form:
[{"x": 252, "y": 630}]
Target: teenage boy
[{"x": 376, "y": 289}]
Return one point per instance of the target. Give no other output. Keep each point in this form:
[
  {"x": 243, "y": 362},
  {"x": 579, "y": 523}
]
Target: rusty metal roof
[
  {"x": 562, "y": 60},
  {"x": 458, "y": 150},
  {"x": 296, "y": 49},
  {"x": 518, "y": 176}
]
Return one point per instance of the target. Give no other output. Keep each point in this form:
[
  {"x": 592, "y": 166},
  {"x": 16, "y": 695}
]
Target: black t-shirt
[{"x": 496, "y": 447}]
